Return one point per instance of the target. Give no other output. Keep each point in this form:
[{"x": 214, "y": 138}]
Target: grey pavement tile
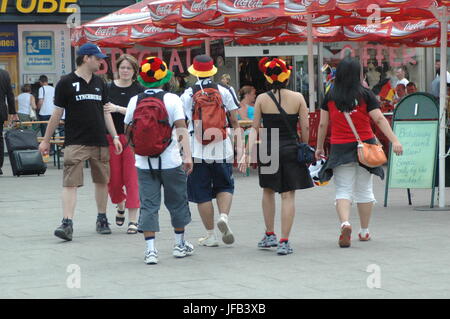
[{"x": 408, "y": 246}]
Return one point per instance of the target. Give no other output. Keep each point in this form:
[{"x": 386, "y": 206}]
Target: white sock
[
  {"x": 345, "y": 224},
  {"x": 179, "y": 238},
  {"x": 224, "y": 216},
  {"x": 150, "y": 244},
  {"x": 364, "y": 231},
  {"x": 211, "y": 233}
]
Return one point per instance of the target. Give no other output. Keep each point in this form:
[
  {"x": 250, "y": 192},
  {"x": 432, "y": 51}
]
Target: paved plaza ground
[{"x": 409, "y": 255}]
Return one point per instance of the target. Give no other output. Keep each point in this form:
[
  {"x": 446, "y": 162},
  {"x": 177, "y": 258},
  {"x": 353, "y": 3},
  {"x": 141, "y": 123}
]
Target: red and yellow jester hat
[
  {"x": 275, "y": 70},
  {"x": 153, "y": 72}
]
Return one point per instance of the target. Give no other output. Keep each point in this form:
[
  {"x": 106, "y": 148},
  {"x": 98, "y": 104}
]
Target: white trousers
[{"x": 354, "y": 183}]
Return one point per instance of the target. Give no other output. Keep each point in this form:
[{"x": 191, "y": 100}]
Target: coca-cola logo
[
  {"x": 415, "y": 26},
  {"x": 151, "y": 29},
  {"x": 106, "y": 32},
  {"x": 199, "y": 6},
  {"x": 248, "y": 4},
  {"x": 163, "y": 10},
  {"x": 365, "y": 28}
]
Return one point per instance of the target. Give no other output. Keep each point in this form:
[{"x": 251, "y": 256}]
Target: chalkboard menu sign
[
  {"x": 416, "y": 124},
  {"x": 414, "y": 169}
]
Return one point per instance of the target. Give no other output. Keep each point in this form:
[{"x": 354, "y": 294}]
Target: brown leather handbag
[{"x": 370, "y": 155}]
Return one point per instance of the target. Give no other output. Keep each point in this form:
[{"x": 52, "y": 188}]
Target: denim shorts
[{"x": 209, "y": 179}]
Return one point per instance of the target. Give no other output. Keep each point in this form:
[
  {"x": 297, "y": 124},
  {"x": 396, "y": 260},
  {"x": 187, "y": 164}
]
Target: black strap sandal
[
  {"x": 120, "y": 217},
  {"x": 132, "y": 228}
]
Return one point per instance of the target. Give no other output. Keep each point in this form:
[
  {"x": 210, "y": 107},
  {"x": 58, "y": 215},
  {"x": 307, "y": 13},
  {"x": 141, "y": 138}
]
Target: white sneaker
[
  {"x": 227, "y": 234},
  {"x": 180, "y": 251},
  {"x": 151, "y": 257},
  {"x": 208, "y": 241}
]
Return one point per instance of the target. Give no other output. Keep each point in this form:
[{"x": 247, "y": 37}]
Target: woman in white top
[{"x": 27, "y": 104}]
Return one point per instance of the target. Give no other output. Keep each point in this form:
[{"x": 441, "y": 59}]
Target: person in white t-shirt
[
  {"x": 45, "y": 102},
  {"x": 212, "y": 176},
  {"x": 168, "y": 170},
  {"x": 401, "y": 76},
  {"x": 27, "y": 104}
]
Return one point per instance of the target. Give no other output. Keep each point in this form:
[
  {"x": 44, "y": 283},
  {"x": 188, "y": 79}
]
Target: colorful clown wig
[
  {"x": 275, "y": 70},
  {"x": 153, "y": 72}
]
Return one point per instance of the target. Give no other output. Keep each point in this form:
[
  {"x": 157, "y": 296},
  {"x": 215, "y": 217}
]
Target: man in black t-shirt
[{"x": 82, "y": 95}]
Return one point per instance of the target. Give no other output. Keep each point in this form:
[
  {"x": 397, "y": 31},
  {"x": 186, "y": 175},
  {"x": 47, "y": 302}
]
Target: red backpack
[
  {"x": 208, "y": 111},
  {"x": 151, "y": 132}
]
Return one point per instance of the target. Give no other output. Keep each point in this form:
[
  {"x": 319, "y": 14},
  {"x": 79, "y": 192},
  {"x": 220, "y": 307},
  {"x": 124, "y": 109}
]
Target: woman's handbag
[
  {"x": 305, "y": 153},
  {"x": 370, "y": 155}
]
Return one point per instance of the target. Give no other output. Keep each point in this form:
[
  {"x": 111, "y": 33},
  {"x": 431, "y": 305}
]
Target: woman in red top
[{"x": 353, "y": 181}]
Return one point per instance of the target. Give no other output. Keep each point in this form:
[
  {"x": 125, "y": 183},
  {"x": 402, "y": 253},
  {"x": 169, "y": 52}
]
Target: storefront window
[{"x": 381, "y": 63}]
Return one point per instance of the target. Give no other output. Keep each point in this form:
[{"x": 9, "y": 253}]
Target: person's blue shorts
[{"x": 209, "y": 179}]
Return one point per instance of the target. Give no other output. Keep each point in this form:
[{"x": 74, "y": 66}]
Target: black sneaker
[
  {"x": 103, "y": 225},
  {"x": 65, "y": 231}
]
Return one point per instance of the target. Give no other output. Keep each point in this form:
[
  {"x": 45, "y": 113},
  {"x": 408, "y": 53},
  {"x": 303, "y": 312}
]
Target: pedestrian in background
[
  {"x": 123, "y": 184},
  {"x": 247, "y": 96},
  {"x": 225, "y": 81},
  {"x": 45, "y": 103},
  {"x": 354, "y": 182},
  {"x": 280, "y": 109},
  {"x": 27, "y": 104},
  {"x": 7, "y": 106}
]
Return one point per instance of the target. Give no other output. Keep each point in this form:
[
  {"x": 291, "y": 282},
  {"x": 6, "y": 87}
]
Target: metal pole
[
  {"x": 208, "y": 47},
  {"x": 312, "y": 106},
  {"x": 442, "y": 107}
]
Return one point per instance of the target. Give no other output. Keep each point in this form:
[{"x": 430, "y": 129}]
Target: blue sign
[
  {"x": 38, "y": 45},
  {"x": 8, "y": 39}
]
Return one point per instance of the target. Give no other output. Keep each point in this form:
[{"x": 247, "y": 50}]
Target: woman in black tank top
[{"x": 279, "y": 171}]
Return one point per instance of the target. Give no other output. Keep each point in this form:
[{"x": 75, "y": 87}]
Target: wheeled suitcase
[{"x": 23, "y": 152}]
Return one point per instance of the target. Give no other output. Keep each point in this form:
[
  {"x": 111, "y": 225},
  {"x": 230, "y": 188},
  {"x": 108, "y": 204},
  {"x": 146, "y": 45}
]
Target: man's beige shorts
[{"x": 74, "y": 158}]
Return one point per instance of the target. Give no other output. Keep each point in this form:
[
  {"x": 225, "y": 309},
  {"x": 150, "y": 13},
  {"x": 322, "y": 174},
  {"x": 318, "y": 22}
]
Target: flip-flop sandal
[
  {"x": 132, "y": 228},
  {"x": 120, "y": 217}
]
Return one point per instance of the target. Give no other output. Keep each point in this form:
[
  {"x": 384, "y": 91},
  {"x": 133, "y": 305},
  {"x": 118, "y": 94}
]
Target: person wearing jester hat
[
  {"x": 169, "y": 169},
  {"x": 280, "y": 110},
  {"x": 212, "y": 176}
]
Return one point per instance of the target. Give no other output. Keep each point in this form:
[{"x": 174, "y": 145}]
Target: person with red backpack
[
  {"x": 210, "y": 109},
  {"x": 150, "y": 121}
]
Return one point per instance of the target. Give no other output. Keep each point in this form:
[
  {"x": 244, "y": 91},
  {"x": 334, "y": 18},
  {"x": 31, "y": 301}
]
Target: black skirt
[
  {"x": 288, "y": 175},
  {"x": 341, "y": 154}
]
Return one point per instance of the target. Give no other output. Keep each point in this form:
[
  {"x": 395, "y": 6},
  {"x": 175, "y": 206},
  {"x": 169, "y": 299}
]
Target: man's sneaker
[
  {"x": 151, "y": 257},
  {"x": 180, "y": 251},
  {"x": 345, "y": 237},
  {"x": 102, "y": 226},
  {"x": 65, "y": 231},
  {"x": 208, "y": 241},
  {"x": 268, "y": 241},
  {"x": 284, "y": 248},
  {"x": 364, "y": 238},
  {"x": 227, "y": 234}
]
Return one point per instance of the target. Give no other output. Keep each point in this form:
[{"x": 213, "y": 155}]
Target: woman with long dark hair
[
  {"x": 280, "y": 110},
  {"x": 353, "y": 181}
]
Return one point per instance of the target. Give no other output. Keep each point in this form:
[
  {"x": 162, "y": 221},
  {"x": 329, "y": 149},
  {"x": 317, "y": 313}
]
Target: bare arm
[
  {"x": 304, "y": 121},
  {"x": 384, "y": 126},
  {"x": 322, "y": 133},
  {"x": 44, "y": 146},
  {"x": 237, "y": 134},
  {"x": 112, "y": 131},
  {"x": 33, "y": 102},
  {"x": 183, "y": 139},
  {"x": 254, "y": 132}
]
